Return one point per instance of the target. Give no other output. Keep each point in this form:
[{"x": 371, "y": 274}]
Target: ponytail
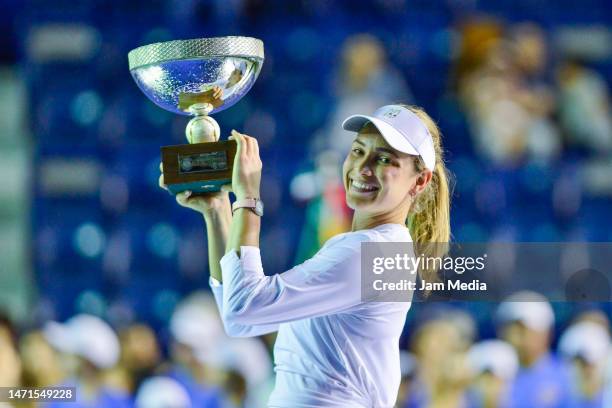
[{"x": 429, "y": 216}]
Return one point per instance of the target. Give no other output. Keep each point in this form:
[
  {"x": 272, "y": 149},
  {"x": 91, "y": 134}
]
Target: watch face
[{"x": 259, "y": 208}]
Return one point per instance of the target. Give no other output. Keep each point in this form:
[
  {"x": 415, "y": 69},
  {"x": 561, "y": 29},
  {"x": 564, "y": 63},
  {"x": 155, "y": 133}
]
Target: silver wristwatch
[{"x": 253, "y": 204}]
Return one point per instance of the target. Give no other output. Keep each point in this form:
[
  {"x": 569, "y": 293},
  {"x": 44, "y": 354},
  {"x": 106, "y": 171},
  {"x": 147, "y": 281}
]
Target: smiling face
[{"x": 378, "y": 179}]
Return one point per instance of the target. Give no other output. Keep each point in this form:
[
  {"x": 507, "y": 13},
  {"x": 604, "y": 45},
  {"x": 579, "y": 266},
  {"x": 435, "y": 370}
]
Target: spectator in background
[
  {"x": 96, "y": 348},
  {"x": 479, "y": 37},
  {"x": 365, "y": 80},
  {"x": 440, "y": 346},
  {"x": 236, "y": 390},
  {"x": 140, "y": 356},
  {"x": 508, "y": 103},
  {"x": 530, "y": 53},
  {"x": 494, "y": 364},
  {"x": 216, "y": 371},
  {"x": 327, "y": 213},
  {"x": 10, "y": 363},
  {"x": 525, "y": 320},
  {"x": 245, "y": 367},
  {"x": 584, "y": 107},
  {"x": 195, "y": 327},
  {"x": 586, "y": 346},
  {"x": 41, "y": 364},
  {"x": 535, "y": 92},
  {"x": 594, "y": 316}
]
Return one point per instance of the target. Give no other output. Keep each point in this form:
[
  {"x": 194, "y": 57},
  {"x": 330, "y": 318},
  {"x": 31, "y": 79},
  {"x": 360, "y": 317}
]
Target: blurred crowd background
[{"x": 103, "y": 278}]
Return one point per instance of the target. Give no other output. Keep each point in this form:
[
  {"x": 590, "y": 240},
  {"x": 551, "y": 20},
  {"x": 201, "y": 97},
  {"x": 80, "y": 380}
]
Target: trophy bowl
[
  {"x": 197, "y": 77},
  {"x": 166, "y": 72}
]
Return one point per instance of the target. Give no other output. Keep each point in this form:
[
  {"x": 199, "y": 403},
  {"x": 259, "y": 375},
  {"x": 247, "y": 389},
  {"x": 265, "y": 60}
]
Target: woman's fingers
[
  {"x": 183, "y": 197},
  {"x": 249, "y": 145},
  {"x": 246, "y": 175},
  {"x": 243, "y": 144},
  {"x": 255, "y": 146},
  {"x": 161, "y": 182},
  {"x": 239, "y": 142}
]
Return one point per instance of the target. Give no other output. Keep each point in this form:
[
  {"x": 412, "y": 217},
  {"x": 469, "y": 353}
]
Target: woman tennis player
[{"x": 332, "y": 349}]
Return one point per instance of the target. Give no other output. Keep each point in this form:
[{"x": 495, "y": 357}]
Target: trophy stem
[
  {"x": 202, "y": 128},
  {"x": 201, "y": 109}
]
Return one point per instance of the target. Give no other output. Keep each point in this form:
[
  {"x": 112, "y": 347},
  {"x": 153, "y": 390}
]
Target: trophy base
[
  {"x": 209, "y": 186},
  {"x": 199, "y": 167}
]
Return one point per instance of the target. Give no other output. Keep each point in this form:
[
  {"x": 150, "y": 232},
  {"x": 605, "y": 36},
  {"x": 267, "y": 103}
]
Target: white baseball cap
[
  {"x": 86, "y": 336},
  {"x": 195, "y": 321},
  {"x": 246, "y": 355},
  {"x": 162, "y": 392},
  {"x": 587, "y": 340},
  {"x": 401, "y": 128},
  {"x": 529, "y": 308},
  {"x": 495, "y": 356}
]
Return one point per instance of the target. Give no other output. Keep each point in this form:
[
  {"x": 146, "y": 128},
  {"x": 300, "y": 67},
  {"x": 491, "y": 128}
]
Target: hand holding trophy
[{"x": 198, "y": 77}]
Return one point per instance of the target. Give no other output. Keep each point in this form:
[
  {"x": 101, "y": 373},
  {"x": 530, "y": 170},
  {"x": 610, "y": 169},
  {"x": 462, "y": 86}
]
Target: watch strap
[{"x": 253, "y": 204}]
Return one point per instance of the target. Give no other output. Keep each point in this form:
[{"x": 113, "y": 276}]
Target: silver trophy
[{"x": 198, "y": 77}]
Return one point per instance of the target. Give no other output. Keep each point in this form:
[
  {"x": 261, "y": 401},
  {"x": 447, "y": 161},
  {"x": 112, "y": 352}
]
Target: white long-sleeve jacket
[{"x": 332, "y": 349}]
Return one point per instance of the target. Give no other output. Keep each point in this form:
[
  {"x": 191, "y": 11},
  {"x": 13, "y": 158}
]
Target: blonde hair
[{"x": 429, "y": 215}]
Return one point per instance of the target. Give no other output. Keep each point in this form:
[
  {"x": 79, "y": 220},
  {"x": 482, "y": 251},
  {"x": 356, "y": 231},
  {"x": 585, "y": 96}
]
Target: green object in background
[{"x": 16, "y": 283}]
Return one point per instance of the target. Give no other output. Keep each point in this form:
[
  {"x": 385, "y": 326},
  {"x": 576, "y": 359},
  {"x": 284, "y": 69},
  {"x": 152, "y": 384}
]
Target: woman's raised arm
[
  {"x": 217, "y": 213},
  {"x": 246, "y": 179},
  {"x": 328, "y": 283}
]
